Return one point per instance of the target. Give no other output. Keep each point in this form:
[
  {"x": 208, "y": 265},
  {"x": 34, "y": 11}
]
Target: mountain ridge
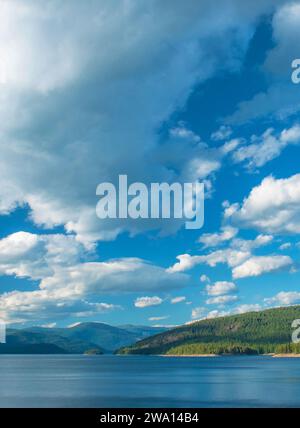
[
  {"x": 77, "y": 339},
  {"x": 267, "y": 331}
]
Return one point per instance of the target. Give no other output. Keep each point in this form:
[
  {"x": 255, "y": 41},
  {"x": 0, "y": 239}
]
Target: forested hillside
[{"x": 251, "y": 333}]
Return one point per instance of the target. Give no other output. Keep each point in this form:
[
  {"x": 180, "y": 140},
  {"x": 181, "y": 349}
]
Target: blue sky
[{"x": 159, "y": 91}]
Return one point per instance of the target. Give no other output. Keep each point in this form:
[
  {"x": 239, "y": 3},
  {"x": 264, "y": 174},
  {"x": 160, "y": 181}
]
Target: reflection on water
[{"x": 137, "y": 381}]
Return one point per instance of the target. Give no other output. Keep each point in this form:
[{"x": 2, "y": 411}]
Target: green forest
[{"x": 263, "y": 332}]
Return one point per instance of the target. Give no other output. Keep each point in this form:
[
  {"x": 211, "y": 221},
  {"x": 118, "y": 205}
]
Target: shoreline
[
  {"x": 286, "y": 355},
  {"x": 289, "y": 355},
  {"x": 191, "y": 355}
]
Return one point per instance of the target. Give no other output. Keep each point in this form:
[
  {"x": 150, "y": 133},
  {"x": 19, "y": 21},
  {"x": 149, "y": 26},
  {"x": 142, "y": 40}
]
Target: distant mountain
[
  {"x": 108, "y": 337},
  {"x": 79, "y": 339},
  {"x": 20, "y": 339},
  {"x": 142, "y": 331},
  {"x": 251, "y": 333}
]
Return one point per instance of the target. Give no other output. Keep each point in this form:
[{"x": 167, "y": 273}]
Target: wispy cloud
[{"x": 145, "y": 302}]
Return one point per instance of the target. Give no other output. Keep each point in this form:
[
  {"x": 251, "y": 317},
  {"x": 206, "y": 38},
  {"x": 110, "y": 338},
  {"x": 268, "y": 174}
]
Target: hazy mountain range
[{"x": 81, "y": 338}]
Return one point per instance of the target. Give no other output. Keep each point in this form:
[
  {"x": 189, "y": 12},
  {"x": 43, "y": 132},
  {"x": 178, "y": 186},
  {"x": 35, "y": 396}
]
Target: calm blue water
[{"x": 136, "y": 381}]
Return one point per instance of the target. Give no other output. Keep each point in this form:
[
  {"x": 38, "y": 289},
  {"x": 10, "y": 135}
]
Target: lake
[{"x": 148, "y": 381}]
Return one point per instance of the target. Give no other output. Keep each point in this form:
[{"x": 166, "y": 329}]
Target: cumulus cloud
[
  {"x": 82, "y": 104},
  {"x": 220, "y": 287},
  {"x": 35, "y": 256},
  {"x": 74, "y": 290},
  {"x": 72, "y": 95},
  {"x": 17, "y": 306},
  {"x": 238, "y": 256},
  {"x": 221, "y": 300},
  {"x": 239, "y": 251},
  {"x": 258, "y": 265},
  {"x": 272, "y": 206},
  {"x": 17, "y": 245},
  {"x": 284, "y": 298},
  {"x": 68, "y": 284},
  {"x": 228, "y": 256},
  {"x": 145, "y": 302},
  {"x": 120, "y": 275}
]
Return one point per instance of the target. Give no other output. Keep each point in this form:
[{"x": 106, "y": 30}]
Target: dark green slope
[{"x": 254, "y": 332}]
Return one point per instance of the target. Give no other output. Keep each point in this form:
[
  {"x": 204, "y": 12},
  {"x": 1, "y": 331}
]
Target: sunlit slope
[{"x": 254, "y": 332}]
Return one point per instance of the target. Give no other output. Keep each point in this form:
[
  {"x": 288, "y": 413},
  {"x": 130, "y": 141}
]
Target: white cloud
[
  {"x": 197, "y": 313},
  {"x": 17, "y": 245},
  {"x": 284, "y": 298},
  {"x": 215, "y": 239},
  {"x": 71, "y": 95},
  {"x": 144, "y": 302},
  {"x": 222, "y": 133},
  {"x": 17, "y": 306},
  {"x": 69, "y": 286},
  {"x": 267, "y": 147},
  {"x": 216, "y": 314},
  {"x": 248, "y": 245},
  {"x": 242, "y": 309},
  {"x": 221, "y": 300},
  {"x": 239, "y": 250},
  {"x": 69, "y": 101},
  {"x": 56, "y": 260},
  {"x": 285, "y": 246},
  {"x": 35, "y": 256},
  {"x": 119, "y": 275},
  {"x": 273, "y": 206},
  {"x": 178, "y": 299},
  {"x": 228, "y": 256},
  {"x": 258, "y": 265},
  {"x": 204, "y": 278},
  {"x": 238, "y": 257},
  {"x": 231, "y": 145},
  {"x": 220, "y": 287},
  {"x": 185, "y": 262}
]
